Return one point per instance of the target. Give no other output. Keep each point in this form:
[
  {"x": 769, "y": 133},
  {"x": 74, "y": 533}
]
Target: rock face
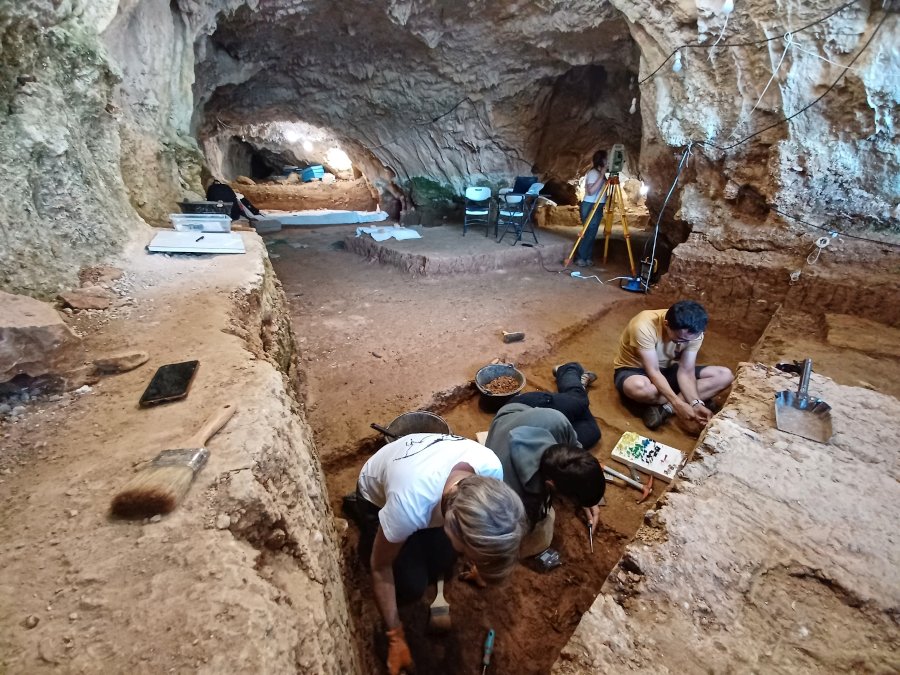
[
  {"x": 110, "y": 98},
  {"x": 750, "y": 565},
  {"x": 34, "y": 340}
]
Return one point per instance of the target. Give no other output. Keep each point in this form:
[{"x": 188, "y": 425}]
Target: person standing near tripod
[{"x": 594, "y": 183}]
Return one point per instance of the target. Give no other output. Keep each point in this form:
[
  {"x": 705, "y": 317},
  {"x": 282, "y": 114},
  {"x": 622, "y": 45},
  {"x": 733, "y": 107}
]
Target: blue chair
[{"x": 478, "y": 208}]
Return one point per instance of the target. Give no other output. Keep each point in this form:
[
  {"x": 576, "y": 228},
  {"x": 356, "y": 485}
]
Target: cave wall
[
  {"x": 150, "y": 44},
  {"x": 836, "y": 164},
  {"x": 64, "y": 202}
]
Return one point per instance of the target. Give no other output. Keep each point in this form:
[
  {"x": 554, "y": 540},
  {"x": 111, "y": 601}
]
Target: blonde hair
[{"x": 488, "y": 517}]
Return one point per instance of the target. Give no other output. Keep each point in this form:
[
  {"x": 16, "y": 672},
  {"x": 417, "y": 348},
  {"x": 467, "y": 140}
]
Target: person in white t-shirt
[
  {"x": 421, "y": 500},
  {"x": 594, "y": 183}
]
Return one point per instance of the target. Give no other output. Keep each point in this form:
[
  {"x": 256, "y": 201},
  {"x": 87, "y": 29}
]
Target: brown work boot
[{"x": 655, "y": 416}]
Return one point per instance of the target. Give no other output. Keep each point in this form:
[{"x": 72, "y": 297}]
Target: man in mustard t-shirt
[{"x": 657, "y": 365}]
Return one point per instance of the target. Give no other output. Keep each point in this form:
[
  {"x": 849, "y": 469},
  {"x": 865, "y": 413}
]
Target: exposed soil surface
[
  {"x": 402, "y": 341},
  {"x": 350, "y": 195}
]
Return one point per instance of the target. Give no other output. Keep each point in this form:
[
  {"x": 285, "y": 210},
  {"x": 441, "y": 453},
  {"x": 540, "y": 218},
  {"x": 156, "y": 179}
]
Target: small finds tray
[{"x": 648, "y": 456}]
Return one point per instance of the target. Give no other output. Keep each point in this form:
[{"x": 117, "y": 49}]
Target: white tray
[
  {"x": 648, "y": 456},
  {"x": 170, "y": 241}
]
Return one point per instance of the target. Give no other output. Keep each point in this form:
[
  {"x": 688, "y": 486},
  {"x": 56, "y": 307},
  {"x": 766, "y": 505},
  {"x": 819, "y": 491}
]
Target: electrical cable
[
  {"x": 745, "y": 44},
  {"x": 840, "y": 65},
  {"x": 662, "y": 210},
  {"x": 834, "y": 232},
  {"x": 808, "y": 105}
]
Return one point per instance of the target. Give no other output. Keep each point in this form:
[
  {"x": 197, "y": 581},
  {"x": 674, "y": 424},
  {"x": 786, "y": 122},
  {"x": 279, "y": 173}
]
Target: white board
[
  {"x": 648, "y": 456},
  {"x": 171, "y": 241},
  {"x": 329, "y": 217}
]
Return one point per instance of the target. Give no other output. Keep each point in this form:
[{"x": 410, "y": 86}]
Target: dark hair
[
  {"x": 576, "y": 473},
  {"x": 599, "y": 159},
  {"x": 687, "y": 315}
]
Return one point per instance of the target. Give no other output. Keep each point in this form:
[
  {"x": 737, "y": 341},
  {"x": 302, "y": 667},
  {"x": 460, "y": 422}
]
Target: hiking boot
[
  {"x": 655, "y": 416},
  {"x": 582, "y": 263},
  {"x": 588, "y": 378},
  {"x": 557, "y": 367}
]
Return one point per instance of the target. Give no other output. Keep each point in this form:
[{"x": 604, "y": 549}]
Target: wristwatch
[{"x": 696, "y": 402}]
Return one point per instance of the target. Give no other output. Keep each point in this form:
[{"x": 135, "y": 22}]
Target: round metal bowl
[
  {"x": 418, "y": 422},
  {"x": 489, "y": 373}
]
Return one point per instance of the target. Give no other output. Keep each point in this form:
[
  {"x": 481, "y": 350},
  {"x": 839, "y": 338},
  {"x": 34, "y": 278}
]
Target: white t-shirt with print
[
  {"x": 406, "y": 478},
  {"x": 592, "y": 176}
]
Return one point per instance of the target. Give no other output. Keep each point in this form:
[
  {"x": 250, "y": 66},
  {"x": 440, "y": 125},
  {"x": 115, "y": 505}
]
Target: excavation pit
[{"x": 430, "y": 350}]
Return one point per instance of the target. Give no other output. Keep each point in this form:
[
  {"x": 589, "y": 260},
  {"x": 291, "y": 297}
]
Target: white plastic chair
[{"x": 478, "y": 208}]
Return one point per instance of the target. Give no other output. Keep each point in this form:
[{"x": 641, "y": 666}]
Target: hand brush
[
  {"x": 439, "y": 621},
  {"x": 161, "y": 485}
]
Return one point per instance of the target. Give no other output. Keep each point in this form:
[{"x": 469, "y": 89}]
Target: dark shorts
[{"x": 670, "y": 373}]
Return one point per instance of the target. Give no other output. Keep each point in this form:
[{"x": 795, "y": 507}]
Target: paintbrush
[
  {"x": 162, "y": 484},
  {"x": 439, "y": 621}
]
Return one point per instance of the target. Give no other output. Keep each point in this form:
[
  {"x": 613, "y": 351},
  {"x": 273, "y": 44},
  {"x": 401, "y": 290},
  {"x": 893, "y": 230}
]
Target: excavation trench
[
  {"x": 378, "y": 313},
  {"x": 534, "y": 613}
]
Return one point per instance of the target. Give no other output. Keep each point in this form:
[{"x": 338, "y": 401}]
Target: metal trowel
[{"x": 801, "y": 414}]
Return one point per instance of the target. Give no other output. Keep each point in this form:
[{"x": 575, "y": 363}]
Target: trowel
[{"x": 801, "y": 414}]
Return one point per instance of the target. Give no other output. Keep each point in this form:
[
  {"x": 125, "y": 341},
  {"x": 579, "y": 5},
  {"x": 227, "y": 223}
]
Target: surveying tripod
[{"x": 615, "y": 205}]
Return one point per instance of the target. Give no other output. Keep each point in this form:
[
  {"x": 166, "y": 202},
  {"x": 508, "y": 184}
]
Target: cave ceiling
[{"x": 440, "y": 89}]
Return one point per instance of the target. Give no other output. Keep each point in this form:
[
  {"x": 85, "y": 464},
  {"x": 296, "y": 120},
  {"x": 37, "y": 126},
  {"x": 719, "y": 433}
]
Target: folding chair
[
  {"x": 511, "y": 213},
  {"x": 478, "y": 208},
  {"x": 519, "y": 215}
]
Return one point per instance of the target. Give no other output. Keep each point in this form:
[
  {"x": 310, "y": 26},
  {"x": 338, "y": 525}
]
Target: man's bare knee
[
  {"x": 715, "y": 379},
  {"x": 641, "y": 389}
]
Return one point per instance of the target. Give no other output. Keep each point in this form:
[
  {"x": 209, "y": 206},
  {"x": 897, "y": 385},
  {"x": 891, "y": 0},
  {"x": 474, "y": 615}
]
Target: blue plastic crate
[{"x": 314, "y": 172}]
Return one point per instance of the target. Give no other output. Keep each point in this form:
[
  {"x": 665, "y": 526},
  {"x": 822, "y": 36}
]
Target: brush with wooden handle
[
  {"x": 439, "y": 620},
  {"x": 161, "y": 485}
]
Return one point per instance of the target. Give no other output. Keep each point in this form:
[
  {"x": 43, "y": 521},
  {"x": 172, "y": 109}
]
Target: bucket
[
  {"x": 491, "y": 402},
  {"x": 417, "y": 422}
]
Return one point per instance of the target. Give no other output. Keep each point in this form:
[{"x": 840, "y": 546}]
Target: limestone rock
[
  {"x": 121, "y": 363},
  {"x": 101, "y": 274},
  {"x": 34, "y": 340},
  {"x": 244, "y": 180},
  {"x": 89, "y": 297}
]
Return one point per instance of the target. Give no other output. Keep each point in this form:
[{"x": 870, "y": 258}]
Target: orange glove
[
  {"x": 470, "y": 574},
  {"x": 399, "y": 659}
]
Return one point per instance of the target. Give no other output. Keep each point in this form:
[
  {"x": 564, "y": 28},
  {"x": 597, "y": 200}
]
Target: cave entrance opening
[{"x": 291, "y": 166}]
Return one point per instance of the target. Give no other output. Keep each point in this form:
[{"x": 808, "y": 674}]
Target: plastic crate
[
  {"x": 314, "y": 172},
  {"x": 200, "y": 222}
]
